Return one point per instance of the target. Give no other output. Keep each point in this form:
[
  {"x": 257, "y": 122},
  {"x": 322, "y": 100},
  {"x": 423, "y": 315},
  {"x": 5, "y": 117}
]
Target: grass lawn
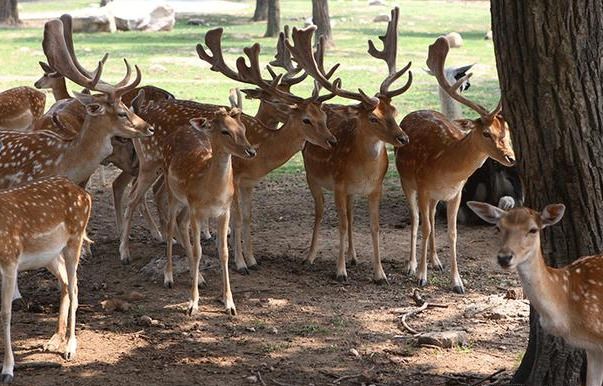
[{"x": 188, "y": 77}]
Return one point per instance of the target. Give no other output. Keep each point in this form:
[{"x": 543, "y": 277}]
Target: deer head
[
  {"x": 519, "y": 228},
  {"x": 492, "y": 127}
]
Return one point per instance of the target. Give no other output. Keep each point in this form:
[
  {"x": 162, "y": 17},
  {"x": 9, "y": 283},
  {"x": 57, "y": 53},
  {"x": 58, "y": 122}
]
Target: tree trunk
[
  {"x": 274, "y": 18},
  {"x": 548, "y": 55},
  {"x": 320, "y": 17},
  {"x": 9, "y": 14},
  {"x": 261, "y": 10}
]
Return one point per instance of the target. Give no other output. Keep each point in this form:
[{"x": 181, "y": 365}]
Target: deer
[
  {"x": 20, "y": 107},
  {"x": 43, "y": 224},
  {"x": 302, "y": 120},
  {"x": 441, "y": 155},
  {"x": 357, "y": 165},
  {"x": 28, "y": 156},
  {"x": 566, "y": 299}
]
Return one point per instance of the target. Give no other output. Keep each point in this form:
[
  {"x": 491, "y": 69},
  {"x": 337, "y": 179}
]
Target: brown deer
[
  {"x": 357, "y": 165},
  {"x": 303, "y": 121},
  {"x": 441, "y": 155},
  {"x": 27, "y": 156},
  {"x": 568, "y": 299},
  {"x": 43, "y": 224},
  {"x": 20, "y": 107}
]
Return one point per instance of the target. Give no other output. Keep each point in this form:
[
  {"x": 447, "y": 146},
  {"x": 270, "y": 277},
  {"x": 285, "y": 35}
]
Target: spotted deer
[
  {"x": 20, "y": 107},
  {"x": 357, "y": 165},
  {"x": 567, "y": 299},
  {"x": 302, "y": 120},
  {"x": 28, "y": 156},
  {"x": 441, "y": 155},
  {"x": 43, "y": 224}
]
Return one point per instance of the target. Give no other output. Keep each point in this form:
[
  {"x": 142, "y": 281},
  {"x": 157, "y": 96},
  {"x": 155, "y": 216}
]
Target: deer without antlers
[
  {"x": 43, "y": 224},
  {"x": 20, "y": 107},
  {"x": 357, "y": 165},
  {"x": 441, "y": 155},
  {"x": 568, "y": 300}
]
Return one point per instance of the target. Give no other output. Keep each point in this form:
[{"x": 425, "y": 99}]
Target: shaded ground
[{"x": 296, "y": 326}]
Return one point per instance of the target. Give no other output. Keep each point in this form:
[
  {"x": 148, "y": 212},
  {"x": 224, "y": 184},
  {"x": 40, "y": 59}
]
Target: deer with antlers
[
  {"x": 358, "y": 164},
  {"x": 28, "y": 156},
  {"x": 567, "y": 299},
  {"x": 20, "y": 107},
  {"x": 43, "y": 224},
  {"x": 441, "y": 155}
]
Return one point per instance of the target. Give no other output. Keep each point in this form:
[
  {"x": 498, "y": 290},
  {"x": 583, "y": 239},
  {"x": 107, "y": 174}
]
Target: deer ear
[
  {"x": 199, "y": 123},
  {"x": 138, "y": 100},
  {"x": 552, "y": 214},
  {"x": 46, "y": 68},
  {"x": 488, "y": 213}
]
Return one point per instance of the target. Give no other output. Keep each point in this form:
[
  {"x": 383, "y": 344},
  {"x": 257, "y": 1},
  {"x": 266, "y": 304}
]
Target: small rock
[
  {"x": 134, "y": 296},
  {"x": 115, "y": 305},
  {"x": 196, "y": 22},
  {"x": 250, "y": 329},
  {"x": 444, "y": 339},
  {"x": 376, "y": 2},
  {"x": 380, "y": 18},
  {"x": 252, "y": 379},
  {"x": 355, "y": 352},
  {"x": 274, "y": 330},
  {"x": 488, "y": 35},
  {"x": 515, "y": 294},
  {"x": 145, "y": 320},
  {"x": 455, "y": 40},
  {"x": 157, "y": 68}
]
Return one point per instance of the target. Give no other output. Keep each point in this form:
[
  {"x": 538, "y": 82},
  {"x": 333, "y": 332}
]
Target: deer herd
[{"x": 200, "y": 160}]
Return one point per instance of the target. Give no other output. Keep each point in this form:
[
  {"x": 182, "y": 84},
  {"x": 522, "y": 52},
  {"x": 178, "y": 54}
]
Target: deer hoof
[
  {"x": 458, "y": 289},
  {"x": 125, "y": 261},
  {"x": 341, "y": 277},
  {"x": 231, "y": 311},
  {"x": 422, "y": 283},
  {"x": 253, "y": 267},
  {"x": 381, "y": 281},
  {"x": 6, "y": 378},
  {"x": 354, "y": 262},
  {"x": 168, "y": 284},
  {"x": 438, "y": 267},
  {"x": 243, "y": 271}
]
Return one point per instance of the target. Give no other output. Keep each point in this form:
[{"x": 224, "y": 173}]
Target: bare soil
[{"x": 295, "y": 325}]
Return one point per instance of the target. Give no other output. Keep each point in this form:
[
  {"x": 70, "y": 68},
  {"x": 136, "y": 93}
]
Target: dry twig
[
  {"x": 488, "y": 378},
  {"x": 423, "y": 305}
]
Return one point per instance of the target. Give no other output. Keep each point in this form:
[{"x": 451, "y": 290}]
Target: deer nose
[
  {"x": 510, "y": 159},
  {"x": 150, "y": 130},
  {"x": 251, "y": 152},
  {"x": 504, "y": 259},
  {"x": 402, "y": 139},
  {"x": 332, "y": 141}
]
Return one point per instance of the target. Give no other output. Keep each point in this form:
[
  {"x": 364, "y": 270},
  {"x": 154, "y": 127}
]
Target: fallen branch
[
  {"x": 423, "y": 305},
  {"x": 261, "y": 379},
  {"x": 489, "y": 377},
  {"x": 347, "y": 377},
  {"x": 279, "y": 383}
]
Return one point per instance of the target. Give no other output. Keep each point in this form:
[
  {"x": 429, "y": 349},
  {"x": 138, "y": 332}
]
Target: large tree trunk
[
  {"x": 548, "y": 54},
  {"x": 261, "y": 10},
  {"x": 9, "y": 13},
  {"x": 320, "y": 17},
  {"x": 274, "y": 18}
]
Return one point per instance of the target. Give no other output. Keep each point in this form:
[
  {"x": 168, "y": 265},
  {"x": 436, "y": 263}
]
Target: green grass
[{"x": 188, "y": 77}]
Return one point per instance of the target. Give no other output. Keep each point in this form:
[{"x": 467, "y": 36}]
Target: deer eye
[
  {"x": 533, "y": 230},
  {"x": 225, "y": 132},
  {"x": 373, "y": 120},
  {"x": 306, "y": 121},
  {"x": 487, "y": 134},
  {"x": 122, "y": 114}
]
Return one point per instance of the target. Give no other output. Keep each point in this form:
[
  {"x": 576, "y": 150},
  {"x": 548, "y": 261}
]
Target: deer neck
[
  {"x": 547, "y": 289},
  {"x": 450, "y": 108},
  {"x": 59, "y": 91},
  {"x": 368, "y": 144},
  {"x": 462, "y": 158}
]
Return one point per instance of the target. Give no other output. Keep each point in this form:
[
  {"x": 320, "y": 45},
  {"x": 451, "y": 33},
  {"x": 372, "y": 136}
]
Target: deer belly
[
  {"x": 445, "y": 192},
  {"x": 20, "y": 122},
  {"x": 43, "y": 248}
]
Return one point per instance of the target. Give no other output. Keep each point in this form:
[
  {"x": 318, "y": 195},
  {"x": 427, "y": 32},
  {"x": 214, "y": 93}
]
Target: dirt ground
[{"x": 295, "y": 325}]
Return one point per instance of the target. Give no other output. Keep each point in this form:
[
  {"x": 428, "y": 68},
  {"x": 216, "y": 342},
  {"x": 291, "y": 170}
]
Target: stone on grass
[
  {"x": 444, "y": 339},
  {"x": 383, "y": 17}
]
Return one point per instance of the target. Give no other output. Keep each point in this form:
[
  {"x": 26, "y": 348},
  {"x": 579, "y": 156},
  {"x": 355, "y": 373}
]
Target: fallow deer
[
  {"x": 357, "y": 165},
  {"x": 303, "y": 121},
  {"x": 43, "y": 224},
  {"x": 441, "y": 155},
  {"x": 20, "y": 107},
  {"x": 568, "y": 299}
]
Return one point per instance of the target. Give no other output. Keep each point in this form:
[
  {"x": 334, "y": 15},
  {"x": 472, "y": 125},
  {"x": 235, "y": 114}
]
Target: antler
[
  {"x": 58, "y": 48},
  {"x": 388, "y": 54},
  {"x": 283, "y": 59},
  {"x": 245, "y": 74},
  {"x": 435, "y": 62},
  {"x": 302, "y": 53}
]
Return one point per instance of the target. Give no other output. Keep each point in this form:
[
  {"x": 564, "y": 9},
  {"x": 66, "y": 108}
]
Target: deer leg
[
  {"x": 9, "y": 280},
  {"x": 594, "y": 368},
  {"x": 223, "y": 252},
  {"x": 119, "y": 189},
  {"x": 426, "y": 232},
  {"x": 246, "y": 206},
  {"x": 319, "y": 206},
  {"x": 341, "y": 201},
  {"x": 411, "y": 196},
  {"x": 206, "y": 235},
  {"x": 151, "y": 223},
  {"x": 374, "y": 199},
  {"x": 238, "y": 224},
  {"x": 433, "y": 257},
  {"x": 168, "y": 274},
  {"x": 160, "y": 197},
  {"x": 451, "y": 211},
  {"x": 71, "y": 255},
  {"x": 57, "y": 268},
  {"x": 351, "y": 252},
  {"x": 193, "y": 305},
  {"x": 143, "y": 183}
]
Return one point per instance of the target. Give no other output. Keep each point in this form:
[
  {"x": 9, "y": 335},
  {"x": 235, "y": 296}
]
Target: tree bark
[
  {"x": 9, "y": 14},
  {"x": 261, "y": 10},
  {"x": 322, "y": 20},
  {"x": 274, "y": 18},
  {"x": 548, "y": 55}
]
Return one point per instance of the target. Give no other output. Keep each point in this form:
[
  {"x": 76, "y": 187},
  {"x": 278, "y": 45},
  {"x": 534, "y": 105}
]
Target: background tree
[
  {"x": 274, "y": 18},
  {"x": 9, "y": 14},
  {"x": 320, "y": 17},
  {"x": 261, "y": 10},
  {"x": 548, "y": 55}
]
